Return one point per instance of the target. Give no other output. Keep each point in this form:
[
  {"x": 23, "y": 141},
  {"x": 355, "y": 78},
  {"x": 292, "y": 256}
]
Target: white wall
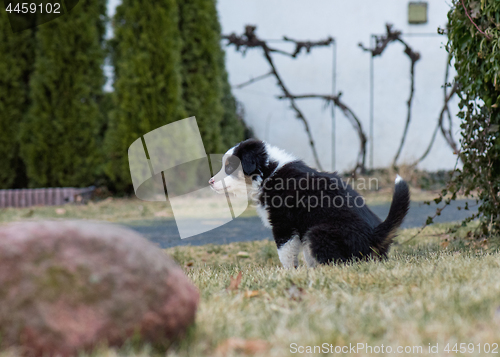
[{"x": 349, "y": 22}]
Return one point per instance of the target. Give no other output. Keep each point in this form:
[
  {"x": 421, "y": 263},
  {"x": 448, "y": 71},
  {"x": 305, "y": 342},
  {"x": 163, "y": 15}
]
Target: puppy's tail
[{"x": 386, "y": 231}]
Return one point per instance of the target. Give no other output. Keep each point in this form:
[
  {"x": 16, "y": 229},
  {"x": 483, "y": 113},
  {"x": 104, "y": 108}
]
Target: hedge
[
  {"x": 474, "y": 43},
  {"x": 59, "y": 137},
  {"x": 18, "y": 54}
]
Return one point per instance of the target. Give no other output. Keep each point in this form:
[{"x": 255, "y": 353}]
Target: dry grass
[
  {"x": 110, "y": 210},
  {"x": 433, "y": 290},
  {"x": 436, "y": 289},
  {"x": 422, "y": 294}
]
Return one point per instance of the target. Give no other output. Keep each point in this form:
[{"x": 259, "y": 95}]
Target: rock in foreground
[{"x": 69, "y": 286}]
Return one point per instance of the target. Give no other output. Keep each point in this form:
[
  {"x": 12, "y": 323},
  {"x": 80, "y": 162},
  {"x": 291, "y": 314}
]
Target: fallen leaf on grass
[
  {"x": 445, "y": 243},
  {"x": 235, "y": 282},
  {"x": 240, "y": 345},
  {"x": 190, "y": 263},
  {"x": 243, "y": 255},
  {"x": 252, "y": 293},
  {"x": 60, "y": 211}
]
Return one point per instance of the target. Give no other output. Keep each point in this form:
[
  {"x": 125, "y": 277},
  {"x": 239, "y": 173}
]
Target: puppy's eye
[
  {"x": 229, "y": 169},
  {"x": 231, "y": 165}
]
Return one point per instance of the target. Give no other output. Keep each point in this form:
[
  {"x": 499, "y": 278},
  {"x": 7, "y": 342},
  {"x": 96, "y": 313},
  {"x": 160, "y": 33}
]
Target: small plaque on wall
[{"x": 417, "y": 12}]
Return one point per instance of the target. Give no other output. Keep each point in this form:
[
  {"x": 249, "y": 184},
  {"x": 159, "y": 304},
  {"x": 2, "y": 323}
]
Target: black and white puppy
[{"x": 307, "y": 209}]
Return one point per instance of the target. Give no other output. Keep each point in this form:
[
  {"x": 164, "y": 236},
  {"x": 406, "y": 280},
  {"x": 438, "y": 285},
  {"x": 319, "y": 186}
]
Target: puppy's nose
[{"x": 211, "y": 181}]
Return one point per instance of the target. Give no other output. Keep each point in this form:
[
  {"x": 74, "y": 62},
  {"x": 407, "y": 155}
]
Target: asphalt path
[{"x": 164, "y": 233}]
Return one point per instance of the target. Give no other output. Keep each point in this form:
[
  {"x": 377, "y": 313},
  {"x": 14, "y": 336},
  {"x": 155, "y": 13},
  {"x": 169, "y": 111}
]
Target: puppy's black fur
[{"x": 334, "y": 234}]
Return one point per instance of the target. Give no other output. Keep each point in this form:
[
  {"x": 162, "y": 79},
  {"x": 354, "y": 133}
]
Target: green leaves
[{"x": 477, "y": 62}]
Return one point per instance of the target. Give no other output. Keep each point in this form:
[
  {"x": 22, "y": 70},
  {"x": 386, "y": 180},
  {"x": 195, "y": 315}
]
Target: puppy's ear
[{"x": 249, "y": 163}]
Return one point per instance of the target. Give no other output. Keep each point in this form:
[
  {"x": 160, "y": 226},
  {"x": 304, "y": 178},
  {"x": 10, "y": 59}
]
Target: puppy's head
[{"x": 243, "y": 167}]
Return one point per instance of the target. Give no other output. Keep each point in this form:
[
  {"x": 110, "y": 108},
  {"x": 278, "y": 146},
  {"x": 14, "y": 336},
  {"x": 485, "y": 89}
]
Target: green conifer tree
[
  {"x": 206, "y": 91},
  {"x": 146, "y": 57},
  {"x": 59, "y": 138},
  {"x": 232, "y": 126},
  {"x": 201, "y": 72},
  {"x": 16, "y": 65}
]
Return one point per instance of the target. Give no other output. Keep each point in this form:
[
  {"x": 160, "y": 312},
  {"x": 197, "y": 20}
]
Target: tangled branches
[
  {"x": 250, "y": 40},
  {"x": 381, "y": 43}
]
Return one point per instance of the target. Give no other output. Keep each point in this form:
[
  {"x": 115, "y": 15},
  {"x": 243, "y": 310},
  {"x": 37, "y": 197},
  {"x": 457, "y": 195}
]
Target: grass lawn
[{"x": 433, "y": 291}]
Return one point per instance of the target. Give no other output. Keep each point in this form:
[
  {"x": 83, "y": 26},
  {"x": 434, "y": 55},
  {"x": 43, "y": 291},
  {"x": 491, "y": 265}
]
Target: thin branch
[
  {"x": 470, "y": 18},
  {"x": 349, "y": 114},
  {"x": 381, "y": 43},
  {"x": 253, "y": 80},
  {"x": 250, "y": 40},
  {"x": 408, "y": 115},
  {"x": 299, "y": 45},
  {"x": 294, "y": 106},
  {"x": 430, "y": 219},
  {"x": 439, "y": 123},
  {"x": 448, "y": 134}
]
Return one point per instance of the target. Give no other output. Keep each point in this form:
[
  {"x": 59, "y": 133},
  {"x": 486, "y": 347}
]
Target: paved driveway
[{"x": 165, "y": 234}]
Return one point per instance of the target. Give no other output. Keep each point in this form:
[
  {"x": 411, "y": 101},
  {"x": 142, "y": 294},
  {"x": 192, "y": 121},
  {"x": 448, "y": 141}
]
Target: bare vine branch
[
  {"x": 299, "y": 45},
  {"x": 408, "y": 115},
  {"x": 447, "y": 134},
  {"x": 381, "y": 43},
  {"x": 253, "y": 80},
  {"x": 439, "y": 125},
  {"x": 349, "y": 114},
  {"x": 250, "y": 40}
]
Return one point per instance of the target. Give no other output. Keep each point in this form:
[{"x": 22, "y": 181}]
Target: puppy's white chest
[{"x": 264, "y": 215}]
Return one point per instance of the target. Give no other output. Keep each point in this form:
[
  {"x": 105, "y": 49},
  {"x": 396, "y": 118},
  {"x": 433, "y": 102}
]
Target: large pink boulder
[{"x": 70, "y": 286}]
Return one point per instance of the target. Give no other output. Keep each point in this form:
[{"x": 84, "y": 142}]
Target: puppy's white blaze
[
  {"x": 229, "y": 182},
  {"x": 279, "y": 155},
  {"x": 264, "y": 215},
  {"x": 289, "y": 253},
  {"x": 398, "y": 179}
]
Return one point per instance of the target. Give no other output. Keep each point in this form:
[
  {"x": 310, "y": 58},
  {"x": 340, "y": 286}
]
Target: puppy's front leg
[{"x": 289, "y": 252}]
